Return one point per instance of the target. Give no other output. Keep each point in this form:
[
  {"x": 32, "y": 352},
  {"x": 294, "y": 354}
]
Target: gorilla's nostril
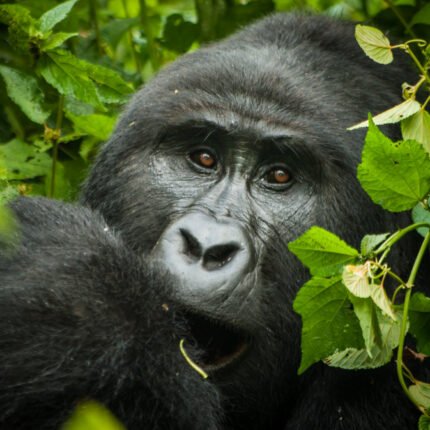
[
  {"x": 218, "y": 256},
  {"x": 192, "y": 247}
]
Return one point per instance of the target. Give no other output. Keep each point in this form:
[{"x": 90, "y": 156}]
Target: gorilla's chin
[{"x": 220, "y": 344}]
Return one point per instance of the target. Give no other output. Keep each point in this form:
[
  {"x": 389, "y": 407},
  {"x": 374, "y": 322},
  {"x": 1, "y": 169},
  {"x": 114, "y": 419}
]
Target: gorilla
[{"x": 226, "y": 156}]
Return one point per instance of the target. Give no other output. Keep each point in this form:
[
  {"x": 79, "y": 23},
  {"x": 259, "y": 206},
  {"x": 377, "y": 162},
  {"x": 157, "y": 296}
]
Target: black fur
[{"x": 78, "y": 321}]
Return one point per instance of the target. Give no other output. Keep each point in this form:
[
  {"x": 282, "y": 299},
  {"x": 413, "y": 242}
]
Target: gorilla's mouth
[{"x": 220, "y": 345}]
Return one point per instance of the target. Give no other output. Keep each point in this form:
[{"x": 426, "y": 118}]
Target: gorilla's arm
[{"x": 84, "y": 318}]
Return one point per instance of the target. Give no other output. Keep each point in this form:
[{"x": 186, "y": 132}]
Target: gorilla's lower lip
[{"x": 219, "y": 344}]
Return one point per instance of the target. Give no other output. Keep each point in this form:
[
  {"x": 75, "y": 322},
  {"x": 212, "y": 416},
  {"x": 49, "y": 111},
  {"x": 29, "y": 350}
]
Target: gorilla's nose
[{"x": 205, "y": 253}]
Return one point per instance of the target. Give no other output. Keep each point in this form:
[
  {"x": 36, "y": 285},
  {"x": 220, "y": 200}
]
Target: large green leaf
[
  {"x": 424, "y": 423},
  {"x": 19, "y": 160},
  {"x": 67, "y": 74},
  {"x": 24, "y": 90},
  {"x": 329, "y": 323},
  {"x": 422, "y": 16},
  {"x": 322, "y": 252},
  {"x": 395, "y": 175},
  {"x": 55, "y": 15}
]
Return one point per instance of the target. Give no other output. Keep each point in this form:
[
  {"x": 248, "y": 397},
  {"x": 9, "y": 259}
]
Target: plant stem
[
  {"x": 399, "y": 234},
  {"x": 58, "y": 126},
  {"x": 396, "y": 12},
  {"x": 418, "y": 63},
  {"x": 402, "y": 335},
  {"x": 152, "y": 48},
  {"x": 95, "y": 22},
  {"x": 134, "y": 52}
]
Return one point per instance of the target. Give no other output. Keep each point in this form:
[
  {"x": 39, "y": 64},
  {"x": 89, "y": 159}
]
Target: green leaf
[
  {"x": 356, "y": 280},
  {"x": 57, "y": 39},
  {"x": 380, "y": 298},
  {"x": 110, "y": 85},
  {"x": 424, "y": 423},
  {"x": 371, "y": 241},
  {"x": 115, "y": 29},
  {"x": 82, "y": 80},
  {"x": 421, "y": 214},
  {"x": 329, "y": 323},
  {"x": 395, "y": 175},
  {"x": 19, "y": 160},
  {"x": 322, "y": 252},
  {"x": 417, "y": 127},
  {"x": 420, "y": 391},
  {"x": 393, "y": 115},
  {"x": 380, "y": 353},
  {"x": 97, "y": 125},
  {"x": 419, "y": 318},
  {"x": 366, "y": 313},
  {"x": 55, "y": 15},
  {"x": 92, "y": 416},
  {"x": 24, "y": 90},
  {"x": 373, "y": 42},
  {"x": 422, "y": 16},
  {"x": 178, "y": 34},
  {"x": 67, "y": 74}
]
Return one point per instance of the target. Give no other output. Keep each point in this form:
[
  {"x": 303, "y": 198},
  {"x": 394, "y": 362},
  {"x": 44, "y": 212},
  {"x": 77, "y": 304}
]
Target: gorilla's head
[{"x": 226, "y": 156}]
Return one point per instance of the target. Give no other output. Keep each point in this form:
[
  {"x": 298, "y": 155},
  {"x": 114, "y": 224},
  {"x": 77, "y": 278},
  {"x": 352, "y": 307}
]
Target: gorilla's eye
[
  {"x": 278, "y": 176},
  {"x": 204, "y": 158}
]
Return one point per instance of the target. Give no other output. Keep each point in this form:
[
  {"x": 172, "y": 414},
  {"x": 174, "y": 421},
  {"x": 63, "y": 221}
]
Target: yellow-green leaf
[
  {"x": 417, "y": 127},
  {"x": 395, "y": 114},
  {"x": 356, "y": 280},
  {"x": 373, "y": 42}
]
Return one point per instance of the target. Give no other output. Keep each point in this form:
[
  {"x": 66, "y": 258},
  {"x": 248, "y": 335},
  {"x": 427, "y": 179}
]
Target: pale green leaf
[
  {"x": 322, "y": 252},
  {"x": 356, "y": 280},
  {"x": 417, "y": 127},
  {"x": 420, "y": 391},
  {"x": 395, "y": 175},
  {"x": 373, "y": 42},
  {"x": 329, "y": 323},
  {"x": 395, "y": 114},
  {"x": 366, "y": 313},
  {"x": 380, "y": 298},
  {"x": 24, "y": 90},
  {"x": 55, "y": 15}
]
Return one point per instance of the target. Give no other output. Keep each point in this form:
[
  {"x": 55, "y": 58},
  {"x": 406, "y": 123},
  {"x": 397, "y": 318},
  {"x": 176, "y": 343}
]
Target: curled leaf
[{"x": 356, "y": 279}]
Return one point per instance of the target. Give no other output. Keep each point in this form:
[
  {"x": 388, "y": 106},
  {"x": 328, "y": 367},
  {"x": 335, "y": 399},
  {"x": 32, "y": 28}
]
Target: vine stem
[
  {"x": 396, "y": 12},
  {"x": 398, "y": 235},
  {"x": 402, "y": 335},
  {"x": 58, "y": 126},
  {"x": 418, "y": 63}
]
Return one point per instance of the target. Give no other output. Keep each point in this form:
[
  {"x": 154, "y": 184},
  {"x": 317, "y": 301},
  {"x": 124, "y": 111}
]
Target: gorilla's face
[{"x": 218, "y": 163}]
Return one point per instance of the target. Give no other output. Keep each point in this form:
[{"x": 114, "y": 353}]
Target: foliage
[{"x": 355, "y": 322}]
